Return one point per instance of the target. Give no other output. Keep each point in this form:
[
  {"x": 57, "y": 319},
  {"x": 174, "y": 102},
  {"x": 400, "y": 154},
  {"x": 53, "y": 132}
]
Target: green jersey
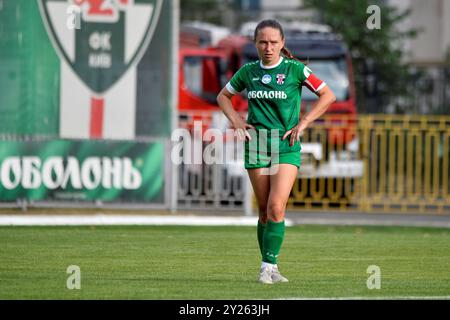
[{"x": 274, "y": 96}]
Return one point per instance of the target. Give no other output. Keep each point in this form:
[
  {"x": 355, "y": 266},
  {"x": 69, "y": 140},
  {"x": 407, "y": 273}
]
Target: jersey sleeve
[
  {"x": 237, "y": 82},
  {"x": 309, "y": 80}
]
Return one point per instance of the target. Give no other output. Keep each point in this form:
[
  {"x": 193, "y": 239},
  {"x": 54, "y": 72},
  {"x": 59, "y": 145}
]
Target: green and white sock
[{"x": 272, "y": 240}]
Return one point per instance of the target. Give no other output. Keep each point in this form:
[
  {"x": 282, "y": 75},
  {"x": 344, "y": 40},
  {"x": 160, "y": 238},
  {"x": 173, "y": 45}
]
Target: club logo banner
[{"x": 98, "y": 63}]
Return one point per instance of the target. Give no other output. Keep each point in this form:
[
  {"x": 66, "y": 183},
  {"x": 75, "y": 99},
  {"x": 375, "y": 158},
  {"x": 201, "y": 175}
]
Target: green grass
[{"x": 184, "y": 262}]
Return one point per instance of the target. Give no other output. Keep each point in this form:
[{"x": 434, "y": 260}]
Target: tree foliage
[
  {"x": 377, "y": 53},
  {"x": 201, "y": 10}
]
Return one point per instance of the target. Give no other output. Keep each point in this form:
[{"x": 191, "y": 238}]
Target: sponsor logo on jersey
[
  {"x": 266, "y": 79},
  {"x": 266, "y": 95},
  {"x": 280, "y": 78}
]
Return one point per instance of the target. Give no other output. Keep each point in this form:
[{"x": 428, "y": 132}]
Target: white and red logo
[
  {"x": 101, "y": 10},
  {"x": 280, "y": 78}
]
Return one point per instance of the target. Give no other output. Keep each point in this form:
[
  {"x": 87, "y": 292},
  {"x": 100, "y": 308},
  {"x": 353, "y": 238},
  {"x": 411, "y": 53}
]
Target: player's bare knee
[
  {"x": 275, "y": 212},
  {"x": 262, "y": 209},
  {"x": 263, "y": 218}
]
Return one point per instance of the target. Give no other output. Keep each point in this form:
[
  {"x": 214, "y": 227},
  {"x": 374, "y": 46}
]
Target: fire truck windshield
[
  {"x": 203, "y": 76},
  {"x": 335, "y": 73}
]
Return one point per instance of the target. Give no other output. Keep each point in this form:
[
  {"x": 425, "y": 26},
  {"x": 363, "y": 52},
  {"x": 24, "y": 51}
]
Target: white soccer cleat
[
  {"x": 265, "y": 276},
  {"x": 276, "y": 276}
]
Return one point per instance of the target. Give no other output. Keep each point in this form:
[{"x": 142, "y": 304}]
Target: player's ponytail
[{"x": 287, "y": 53}]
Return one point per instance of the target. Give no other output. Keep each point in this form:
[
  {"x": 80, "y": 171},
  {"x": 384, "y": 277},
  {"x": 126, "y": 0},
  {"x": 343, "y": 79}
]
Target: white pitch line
[
  {"x": 370, "y": 298},
  {"x": 74, "y": 220}
]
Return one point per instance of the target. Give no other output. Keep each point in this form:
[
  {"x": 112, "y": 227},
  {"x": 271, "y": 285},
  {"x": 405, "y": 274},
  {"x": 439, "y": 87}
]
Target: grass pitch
[{"x": 173, "y": 262}]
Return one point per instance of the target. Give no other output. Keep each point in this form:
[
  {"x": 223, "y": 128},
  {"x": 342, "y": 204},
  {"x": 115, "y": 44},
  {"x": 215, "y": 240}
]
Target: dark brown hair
[{"x": 271, "y": 23}]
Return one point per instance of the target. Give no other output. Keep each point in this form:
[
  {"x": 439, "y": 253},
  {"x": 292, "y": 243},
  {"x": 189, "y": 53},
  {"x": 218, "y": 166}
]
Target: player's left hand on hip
[{"x": 295, "y": 134}]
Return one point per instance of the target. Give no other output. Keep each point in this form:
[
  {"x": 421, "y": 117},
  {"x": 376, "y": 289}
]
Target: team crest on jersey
[
  {"x": 113, "y": 36},
  {"x": 280, "y": 78},
  {"x": 266, "y": 79}
]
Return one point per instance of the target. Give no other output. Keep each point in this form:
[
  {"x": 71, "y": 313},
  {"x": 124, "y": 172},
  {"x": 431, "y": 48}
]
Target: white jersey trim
[
  {"x": 323, "y": 84},
  {"x": 230, "y": 88},
  {"x": 271, "y": 67}
]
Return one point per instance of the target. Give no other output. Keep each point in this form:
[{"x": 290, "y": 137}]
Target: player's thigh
[
  {"x": 281, "y": 183},
  {"x": 261, "y": 186}
]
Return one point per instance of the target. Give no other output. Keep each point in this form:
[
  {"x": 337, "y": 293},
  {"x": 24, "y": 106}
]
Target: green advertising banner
[
  {"x": 82, "y": 171},
  {"x": 29, "y": 73}
]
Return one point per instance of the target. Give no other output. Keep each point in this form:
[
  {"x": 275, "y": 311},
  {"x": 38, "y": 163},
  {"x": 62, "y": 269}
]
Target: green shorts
[{"x": 257, "y": 160}]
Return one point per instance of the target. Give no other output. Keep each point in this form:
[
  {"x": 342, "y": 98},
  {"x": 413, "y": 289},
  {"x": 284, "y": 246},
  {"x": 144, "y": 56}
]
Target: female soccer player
[{"x": 272, "y": 158}]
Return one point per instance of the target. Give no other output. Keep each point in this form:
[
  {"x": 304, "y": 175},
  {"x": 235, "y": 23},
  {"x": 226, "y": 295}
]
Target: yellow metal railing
[
  {"x": 372, "y": 163},
  {"x": 383, "y": 163}
]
